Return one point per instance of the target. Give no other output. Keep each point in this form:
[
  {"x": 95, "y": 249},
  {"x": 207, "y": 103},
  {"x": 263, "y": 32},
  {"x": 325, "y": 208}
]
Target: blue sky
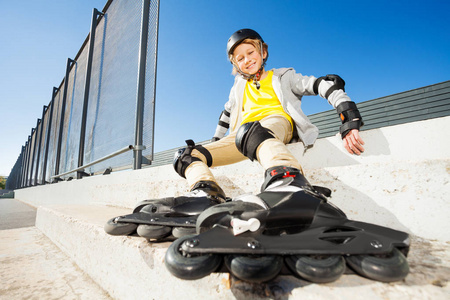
[{"x": 378, "y": 47}]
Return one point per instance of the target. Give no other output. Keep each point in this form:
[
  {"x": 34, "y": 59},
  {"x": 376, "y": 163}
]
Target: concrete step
[
  {"x": 401, "y": 181},
  {"x": 133, "y": 268},
  {"x": 32, "y": 267}
]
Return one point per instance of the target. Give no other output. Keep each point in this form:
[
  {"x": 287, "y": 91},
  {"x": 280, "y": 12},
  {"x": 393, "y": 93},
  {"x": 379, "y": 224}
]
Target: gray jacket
[{"x": 289, "y": 87}]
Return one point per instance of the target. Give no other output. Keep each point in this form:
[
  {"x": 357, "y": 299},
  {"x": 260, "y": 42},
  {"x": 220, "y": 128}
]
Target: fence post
[
  {"x": 137, "y": 164},
  {"x": 95, "y": 14}
]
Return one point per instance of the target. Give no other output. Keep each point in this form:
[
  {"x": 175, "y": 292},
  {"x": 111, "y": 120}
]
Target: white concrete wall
[{"x": 401, "y": 181}]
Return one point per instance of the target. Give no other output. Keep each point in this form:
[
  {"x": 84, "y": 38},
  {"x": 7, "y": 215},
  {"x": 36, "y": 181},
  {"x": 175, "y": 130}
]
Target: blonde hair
[{"x": 255, "y": 43}]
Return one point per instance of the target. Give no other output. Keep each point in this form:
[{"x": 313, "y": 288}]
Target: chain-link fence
[{"x": 101, "y": 117}]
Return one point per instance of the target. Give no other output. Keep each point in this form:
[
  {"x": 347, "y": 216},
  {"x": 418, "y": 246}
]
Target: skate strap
[
  {"x": 322, "y": 190},
  {"x": 250, "y": 198}
]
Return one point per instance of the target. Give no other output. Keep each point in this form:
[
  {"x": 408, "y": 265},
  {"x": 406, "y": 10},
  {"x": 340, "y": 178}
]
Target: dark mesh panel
[
  {"x": 44, "y": 123},
  {"x": 150, "y": 80},
  {"x": 30, "y": 162},
  {"x": 112, "y": 98},
  {"x": 53, "y": 145},
  {"x": 73, "y": 114},
  {"x": 24, "y": 165},
  {"x": 35, "y": 139}
]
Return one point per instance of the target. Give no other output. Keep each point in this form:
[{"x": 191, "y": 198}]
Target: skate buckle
[
  {"x": 287, "y": 174},
  {"x": 241, "y": 226},
  {"x": 376, "y": 244}
]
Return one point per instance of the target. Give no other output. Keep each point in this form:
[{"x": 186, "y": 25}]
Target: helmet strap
[{"x": 255, "y": 77}]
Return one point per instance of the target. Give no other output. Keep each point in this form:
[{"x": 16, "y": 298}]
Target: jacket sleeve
[
  {"x": 337, "y": 97},
  {"x": 301, "y": 85},
  {"x": 332, "y": 88},
  {"x": 223, "y": 125},
  {"x": 304, "y": 86},
  {"x": 225, "y": 116}
]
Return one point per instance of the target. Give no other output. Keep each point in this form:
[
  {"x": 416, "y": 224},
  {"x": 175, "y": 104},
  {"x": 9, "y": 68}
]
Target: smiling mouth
[{"x": 251, "y": 66}]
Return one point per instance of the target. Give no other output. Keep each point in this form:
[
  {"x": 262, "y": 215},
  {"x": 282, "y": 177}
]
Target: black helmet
[{"x": 239, "y": 36}]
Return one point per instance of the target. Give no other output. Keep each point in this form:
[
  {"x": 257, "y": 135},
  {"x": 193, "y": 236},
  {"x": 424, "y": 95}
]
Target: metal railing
[{"x": 101, "y": 117}]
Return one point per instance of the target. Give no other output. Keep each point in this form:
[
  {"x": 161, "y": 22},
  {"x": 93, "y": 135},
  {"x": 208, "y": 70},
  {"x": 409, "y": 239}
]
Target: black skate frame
[
  {"x": 324, "y": 230},
  {"x": 349, "y": 238},
  {"x": 158, "y": 219}
]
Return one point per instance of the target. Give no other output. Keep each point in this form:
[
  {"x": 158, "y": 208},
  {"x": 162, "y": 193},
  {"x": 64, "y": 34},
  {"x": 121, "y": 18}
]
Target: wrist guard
[{"x": 350, "y": 117}]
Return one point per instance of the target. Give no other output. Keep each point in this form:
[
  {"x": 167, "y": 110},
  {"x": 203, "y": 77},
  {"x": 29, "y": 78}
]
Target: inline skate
[
  {"x": 290, "y": 223},
  {"x": 160, "y": 218}
]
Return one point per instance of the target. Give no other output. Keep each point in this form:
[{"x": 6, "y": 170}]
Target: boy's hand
[{"x": 353, "y": 142}]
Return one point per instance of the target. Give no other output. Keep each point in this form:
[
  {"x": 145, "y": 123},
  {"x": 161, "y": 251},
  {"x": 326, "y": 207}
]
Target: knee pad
[
  {"x": 184, "y": 159},
  {"x": 249, "y": 136}
]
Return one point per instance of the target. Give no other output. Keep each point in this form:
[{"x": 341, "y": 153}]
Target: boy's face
[{"x": 248, "y": 58}]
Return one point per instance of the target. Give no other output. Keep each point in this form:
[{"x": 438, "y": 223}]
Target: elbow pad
[
  {"x": 350, "y": 117},
  {"x": 338, "y": 84},
  {"x": 222, "y": 126}
]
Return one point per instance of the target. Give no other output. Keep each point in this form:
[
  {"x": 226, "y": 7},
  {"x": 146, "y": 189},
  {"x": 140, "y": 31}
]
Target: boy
[{"x": 264, "y": 114}]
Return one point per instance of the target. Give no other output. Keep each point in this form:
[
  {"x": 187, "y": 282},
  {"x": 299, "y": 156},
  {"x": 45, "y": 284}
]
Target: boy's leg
[
  {"x": 274, "y": 152},
  {"x": 271, "y": 153},
  {"x": 277, "y": 160},
  {"x": 223, "y": 152}
]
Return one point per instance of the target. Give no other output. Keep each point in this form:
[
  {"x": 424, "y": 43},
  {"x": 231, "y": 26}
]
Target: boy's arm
[
  {"x": 331, "y": 87},
  {"x": 222, "y": 126},
  {"x": 224, "y": 119},
  {"x": 353, "y": 143}
]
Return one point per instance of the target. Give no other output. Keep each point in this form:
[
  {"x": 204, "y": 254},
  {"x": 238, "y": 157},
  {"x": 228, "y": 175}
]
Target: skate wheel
[
  {"x": 190, "y": 267},
  {"x": 319, "y": 269},
  {"x": 154, "y": 232},
  {"x": 254, "y": 268},
  {"x": 113, "y": 227},
  {"x": 178, "y": 232},
  {"x": 385, "y": 268}
]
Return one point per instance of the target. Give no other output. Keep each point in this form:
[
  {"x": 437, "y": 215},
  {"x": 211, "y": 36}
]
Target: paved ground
[
  {"x": 32, "y": 267},
  {"x": 15, "y": 214}
]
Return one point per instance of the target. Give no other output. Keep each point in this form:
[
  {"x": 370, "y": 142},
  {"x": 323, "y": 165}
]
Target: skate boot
[
  {"x": 291, "y": 179},
  {"x": 157, "y": 219},
  {"x": 290, "y": 223}
]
